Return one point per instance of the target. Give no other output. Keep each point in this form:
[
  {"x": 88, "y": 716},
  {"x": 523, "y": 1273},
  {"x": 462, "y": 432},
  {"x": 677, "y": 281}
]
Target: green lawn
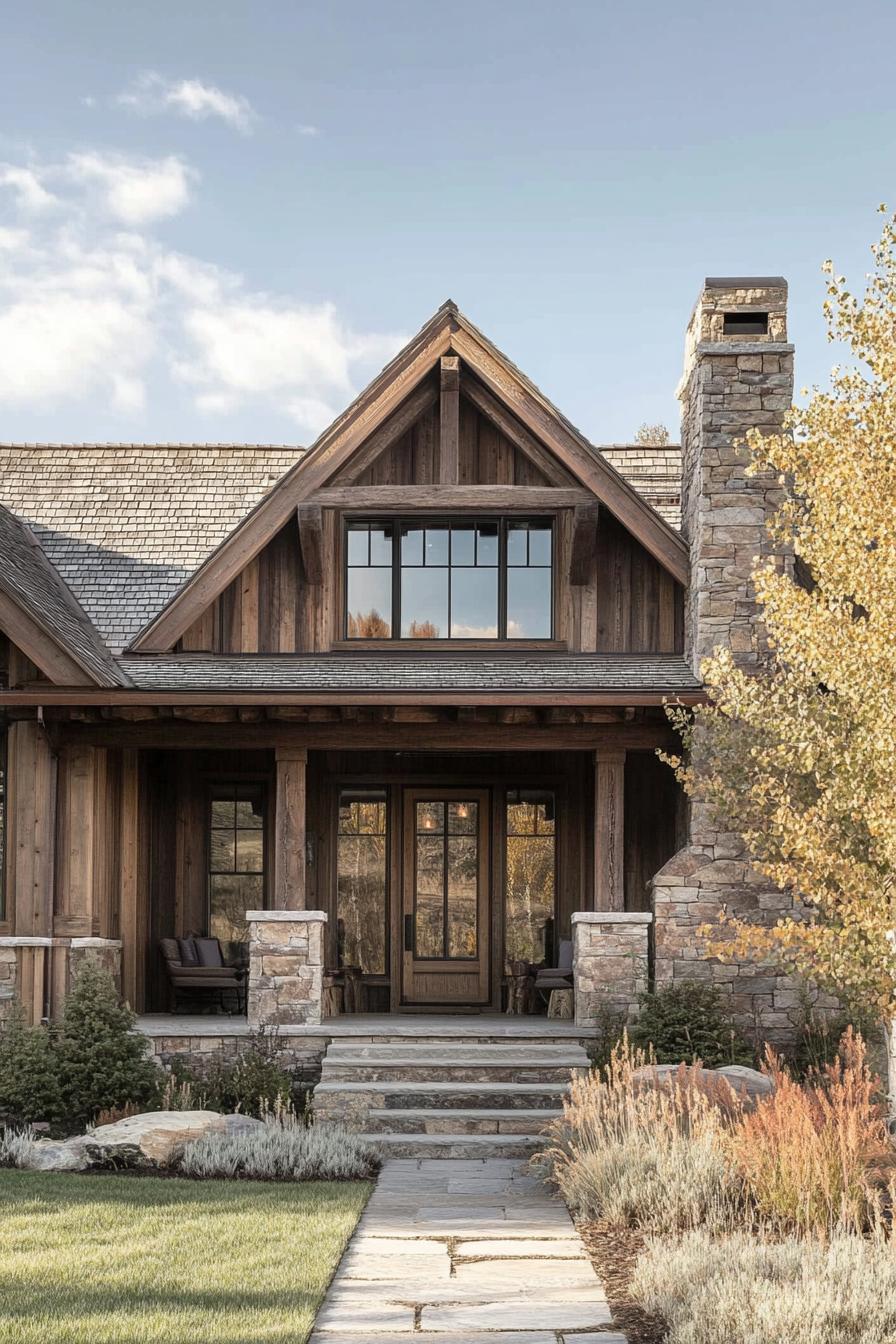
[{"x": 127, "y": 1260}]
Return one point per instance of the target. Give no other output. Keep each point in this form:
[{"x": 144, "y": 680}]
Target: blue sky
[{"x": 218, "y": 220}]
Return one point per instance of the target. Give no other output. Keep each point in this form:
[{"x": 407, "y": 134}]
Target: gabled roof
[
  {"x": 447, "y": 331},
  {"x": 43, "y": 618},
  {"x": 126, "y": 525}
]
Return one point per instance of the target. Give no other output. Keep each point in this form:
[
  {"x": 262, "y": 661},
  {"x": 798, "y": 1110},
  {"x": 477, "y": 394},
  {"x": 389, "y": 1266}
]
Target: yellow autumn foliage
[{"x": 802, "y": 755}]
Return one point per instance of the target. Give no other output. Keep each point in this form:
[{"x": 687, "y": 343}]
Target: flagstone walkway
[{"x": 464, "y": 1252}]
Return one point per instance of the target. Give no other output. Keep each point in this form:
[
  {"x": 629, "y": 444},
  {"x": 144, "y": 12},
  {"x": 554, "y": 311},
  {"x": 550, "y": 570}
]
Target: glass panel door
[{"x": 446, "y": 897}]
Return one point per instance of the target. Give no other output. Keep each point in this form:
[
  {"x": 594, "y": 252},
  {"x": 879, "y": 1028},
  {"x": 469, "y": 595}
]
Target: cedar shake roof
[
  {"x": 126, "y": 524},
  {"x": 659, "y": 674},
  {"x": 28, "y": 578}
]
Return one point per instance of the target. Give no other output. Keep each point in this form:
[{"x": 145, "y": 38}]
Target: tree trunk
[{"x": 890, "y": 1044}]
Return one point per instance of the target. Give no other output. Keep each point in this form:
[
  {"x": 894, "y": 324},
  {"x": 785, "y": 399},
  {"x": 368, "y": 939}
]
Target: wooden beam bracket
[
  {"x": 584, "y": 544},
  {"x": 311, "y": 541}
]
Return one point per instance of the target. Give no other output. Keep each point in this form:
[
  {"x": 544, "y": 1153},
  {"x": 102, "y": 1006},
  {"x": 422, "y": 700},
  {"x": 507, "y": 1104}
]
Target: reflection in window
[
  {"x": 446, "y": 880},
  {"x": 530, "y": 867},
  {"x": 368, "y": 588},
  {"x": 361, "y": 879},
  {"x": 529, "y": 582},
  {"x": 236, "y": 854},
  {"x": 459, "y": 579}
]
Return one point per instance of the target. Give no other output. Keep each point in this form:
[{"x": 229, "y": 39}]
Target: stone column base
[
  {"x": 40, "y": 971},
  {"x": 286, "y": 952},
  {"x": 610, "y": 963}
]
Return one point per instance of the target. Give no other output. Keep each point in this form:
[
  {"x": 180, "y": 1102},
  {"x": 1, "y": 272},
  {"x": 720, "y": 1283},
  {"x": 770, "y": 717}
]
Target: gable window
[{"x": 449, "y": 579}]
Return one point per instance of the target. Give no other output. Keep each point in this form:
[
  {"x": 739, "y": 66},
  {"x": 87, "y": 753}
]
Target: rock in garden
[
  {"x": 240, "y": 1126},
  {"x": 748, "y": 1084},
  {"x": 747, "y": 1081},
  {"x": 61, "y": 1155},
  {"x": 155, "y": 1139}
]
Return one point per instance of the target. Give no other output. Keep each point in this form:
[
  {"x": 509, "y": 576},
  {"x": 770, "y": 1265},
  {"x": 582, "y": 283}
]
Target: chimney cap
[{"x": 745, "y": 282}]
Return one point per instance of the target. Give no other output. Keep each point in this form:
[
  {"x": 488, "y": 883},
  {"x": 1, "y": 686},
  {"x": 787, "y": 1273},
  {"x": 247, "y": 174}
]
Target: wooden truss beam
[
  {"x": 512, "y": 429},
  {"x": 485, "y": 498},
  {"x": 407, "y": 415},
  {"x": 449, "y": 433}
]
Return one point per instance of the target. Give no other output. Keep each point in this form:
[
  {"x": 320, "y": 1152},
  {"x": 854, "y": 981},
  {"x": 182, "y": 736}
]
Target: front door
[{"x": 445, "y": 898}]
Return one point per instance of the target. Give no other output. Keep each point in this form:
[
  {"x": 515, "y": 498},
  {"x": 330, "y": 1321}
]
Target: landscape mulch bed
[{"x": 614, "y": 1252}]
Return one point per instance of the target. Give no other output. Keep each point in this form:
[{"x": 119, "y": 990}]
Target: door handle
[{"x": 409, "y": 933}]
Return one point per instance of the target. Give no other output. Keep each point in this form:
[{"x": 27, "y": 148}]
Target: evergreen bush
[
  {"x": 253, "y": 1083},
  {"x": 103, "y": 1063},
  {"x": 687, "y": 1022},
  {"x": 30, "y": 1088}
]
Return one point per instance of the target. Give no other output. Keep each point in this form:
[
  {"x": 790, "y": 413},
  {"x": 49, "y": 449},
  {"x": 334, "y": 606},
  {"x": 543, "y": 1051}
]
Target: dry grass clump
[
  {"x": 640, "y": 1155},
  {"x": 741, "y": 1290},
  {"x": 815, "y": 1155},
  {"x": 286, "y": 1149},
  {"x": 17, "y": 1147}
]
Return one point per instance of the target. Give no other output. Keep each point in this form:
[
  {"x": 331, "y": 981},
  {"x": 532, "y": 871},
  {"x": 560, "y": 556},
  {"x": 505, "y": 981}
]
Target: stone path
[{"x": 464, "y": 1252}]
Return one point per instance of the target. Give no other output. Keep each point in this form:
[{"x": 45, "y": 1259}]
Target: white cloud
[
  {"x": 94, "y": 308},
  {"x": 307, "y": 130},
  {"x": 134, "y": 191},
  {"x": 31, "y": 194},
  {"x": 151, "y": 94}
]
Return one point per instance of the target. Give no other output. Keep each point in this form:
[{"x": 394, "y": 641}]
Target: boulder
[
  {"x": 747, "y": 1082},
  {"x": 154, "y": 1139},
  {"x": 239, "y": 1126},
  {"x": 62, "y": 1155}
]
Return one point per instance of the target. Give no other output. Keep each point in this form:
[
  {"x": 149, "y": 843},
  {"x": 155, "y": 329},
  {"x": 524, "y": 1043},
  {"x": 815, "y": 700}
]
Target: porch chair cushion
[
  {"x": 208, "y": 951},
  {"x": 559, "y": 976},
  {"x": 188, "y": 954}
]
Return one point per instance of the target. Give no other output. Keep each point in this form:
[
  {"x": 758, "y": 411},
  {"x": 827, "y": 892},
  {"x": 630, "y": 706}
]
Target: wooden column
[
  {"x": 77, "y": 840},
  {"x": 289, "y": 829},
  {"x": 31, "y": 811},
  {"x": 449, "y": 428},
  {"x": 133, "y": 937},
  {"x": 609, "y": 829}
]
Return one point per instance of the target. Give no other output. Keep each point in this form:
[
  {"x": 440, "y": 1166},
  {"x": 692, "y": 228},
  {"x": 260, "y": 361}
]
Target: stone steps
[
  {"x": 438, "y": 1097},
  {"x": 478, "y": 1146},
  {"x": 458, "y": 1120}
]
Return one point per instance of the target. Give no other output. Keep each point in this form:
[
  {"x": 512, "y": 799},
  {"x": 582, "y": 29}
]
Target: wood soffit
[{"x": 499, "y": 387}]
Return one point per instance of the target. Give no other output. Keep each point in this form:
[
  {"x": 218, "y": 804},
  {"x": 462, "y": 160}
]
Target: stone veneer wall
[
  {"x": 610, "y": 963},
  {"x": 285, "y": 967},
  {"x": 730, "y": 385},
  {"x": 8, "y": 974},
  {"x": 298, "y": 1055}
]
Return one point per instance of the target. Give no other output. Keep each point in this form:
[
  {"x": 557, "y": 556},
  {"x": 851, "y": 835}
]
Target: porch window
[
  {"x": 361, "y": 890},
  {"x": 479, "y": 579},
  {"x": 236, "y": 861},
  {"x": 530, "y": 863}
]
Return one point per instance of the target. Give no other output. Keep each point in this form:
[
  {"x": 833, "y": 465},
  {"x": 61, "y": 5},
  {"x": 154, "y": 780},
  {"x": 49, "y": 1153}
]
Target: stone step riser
[
  {"x": 427, "y": 1072},
  {"x": 331, "y": 1098},
  {"x": 456, "y": 1146},
  {"x": 440, "y": 1122},
  {"x": 515, "y": 1049}
]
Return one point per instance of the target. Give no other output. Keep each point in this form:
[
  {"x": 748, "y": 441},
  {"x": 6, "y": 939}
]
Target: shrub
[
  {"x": 638, "y": 1155},
  {"x": 687, "y": 1021},
  {"x": 739, "y": 1290},
  {"x": 812, "y": 1154},
  {"x": 17, "y": 1148},
  {"x": 30, "y": 1089},
  {"x": 285, "y": 1150},
  {"x": 253, "y": 1083},
  {"x": 102, "y": 1062}
]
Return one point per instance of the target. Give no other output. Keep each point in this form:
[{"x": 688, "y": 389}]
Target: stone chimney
[{"x": 738, "y": 375}]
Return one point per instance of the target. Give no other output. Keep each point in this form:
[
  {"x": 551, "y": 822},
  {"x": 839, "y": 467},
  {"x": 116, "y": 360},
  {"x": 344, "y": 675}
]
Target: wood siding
[{"x": 623, "y": 602}]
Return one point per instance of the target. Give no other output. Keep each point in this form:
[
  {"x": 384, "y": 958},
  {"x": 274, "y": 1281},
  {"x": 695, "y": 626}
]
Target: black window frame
[
  {"x": 502, "y": 521},
  {"x": 233, "y": 785}
]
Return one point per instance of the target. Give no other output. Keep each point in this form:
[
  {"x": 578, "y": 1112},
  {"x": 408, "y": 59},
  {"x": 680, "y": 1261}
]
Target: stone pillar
[
  {"x": 289, "y": 829},
  {"x": 609, "y": 829},
  {"x": 8, "y": 977},
  {"x": 286, "y": 950},
  {"x": 738, "y": 376},
  {"x": 609, "y": 962}
]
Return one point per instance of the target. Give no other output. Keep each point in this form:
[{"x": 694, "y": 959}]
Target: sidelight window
[
  {"x": 361, "y": 884},
  {"x": 530, "y": 861},
  {"x": 449, "y": 579},
  {"x": 236, "y": 861}
]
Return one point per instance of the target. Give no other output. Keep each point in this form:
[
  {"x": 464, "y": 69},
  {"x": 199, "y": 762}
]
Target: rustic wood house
[{"x": 383, "y": 713}]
